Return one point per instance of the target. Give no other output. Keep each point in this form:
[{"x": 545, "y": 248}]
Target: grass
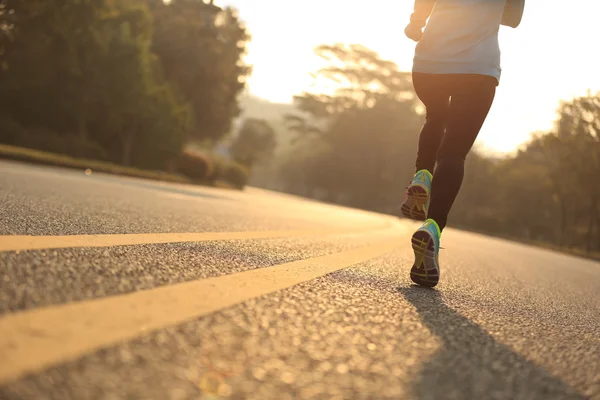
[{"x": 44, "y": 158}]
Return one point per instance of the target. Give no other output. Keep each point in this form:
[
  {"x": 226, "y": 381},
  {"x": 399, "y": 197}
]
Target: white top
[{"x": 461, "y": 37}]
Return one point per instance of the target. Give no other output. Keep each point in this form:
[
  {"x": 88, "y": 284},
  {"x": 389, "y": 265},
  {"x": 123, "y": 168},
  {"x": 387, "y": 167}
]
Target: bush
[
  {"x": 10, "y": 130},
  {"x": 85, "y": 148},
  {"x": 235, "y": 174},
  {"x": 194, "y": 166},
  {"x": 229, "y": 172},
  {"x": 49, "y": 141}
]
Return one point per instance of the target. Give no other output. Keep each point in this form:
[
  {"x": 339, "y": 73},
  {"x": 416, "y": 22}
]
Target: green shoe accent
[
  {"x": 435, "y": 232},
  {"x": 424, "y": 177},
  {"x": 437, "y": 227},
  {"x": 416, "y": 200}
]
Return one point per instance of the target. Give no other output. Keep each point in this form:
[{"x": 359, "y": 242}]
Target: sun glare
[{"x": 545, "y": 60}]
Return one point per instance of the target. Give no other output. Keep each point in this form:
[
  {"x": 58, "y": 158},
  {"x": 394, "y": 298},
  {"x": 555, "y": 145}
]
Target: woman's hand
[{"x": 413, "y": 32}]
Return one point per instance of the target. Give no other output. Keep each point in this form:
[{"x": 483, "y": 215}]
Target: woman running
[{"x": 456, "y": 70}]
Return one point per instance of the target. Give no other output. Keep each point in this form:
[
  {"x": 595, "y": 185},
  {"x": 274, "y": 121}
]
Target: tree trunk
[
  {"x": 128, "y": 140},
  {"x": 82, "y": 131},
  {"x": 591, "y": 224},
  {"x": 127, "y": 147},
  {"x": 562, "y": 218},
  {"x": 597, "y": 231}
]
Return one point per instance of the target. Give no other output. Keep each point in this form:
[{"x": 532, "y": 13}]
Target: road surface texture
[{"x": 119, "y": 288}]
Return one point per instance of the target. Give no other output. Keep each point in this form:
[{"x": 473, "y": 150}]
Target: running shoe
[
  {"x": 426, "y": 245},
  {"x": 416, "y": 200}
]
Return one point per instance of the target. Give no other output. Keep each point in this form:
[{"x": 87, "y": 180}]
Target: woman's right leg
[{"x": 472, "y": 97}]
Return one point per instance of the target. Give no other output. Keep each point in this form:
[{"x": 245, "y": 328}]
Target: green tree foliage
[
  {"x": 80, "y": 78},
  {"x": 357, "y": 145},
  {"x": 549, "y": 191},
  {"x": 49, "y": 50},
  {"x": 129, "y": 81},
  {"x": 254, "y": 143},
  {"x": 363, "y": 152},
  {"x": 300, "y": 126},
  {"x": 146, "y": 122},
  {"x": 200, "y": 48}
]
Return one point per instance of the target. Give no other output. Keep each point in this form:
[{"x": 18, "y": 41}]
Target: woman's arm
[
  {"x": 422, "y": 11},
  {"x": 513, "y": 13},
  {"x": 418, "y": 19}
]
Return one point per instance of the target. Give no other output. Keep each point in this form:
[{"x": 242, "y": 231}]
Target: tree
[
  {"x": 46, "y": 50},
  {"x": 368, "y": 135},
  {"x": 144, "y": 114},
  {"x": 200, "y": 48},
  {"x": 80, "y": 77},
  {"x": 367, "y": 139},
  {"x": 300, "y": 126},
  {"x": 254, "y": 143},
  {"x": 545, "y": 192},
  {"x": 578, "y": 135}
]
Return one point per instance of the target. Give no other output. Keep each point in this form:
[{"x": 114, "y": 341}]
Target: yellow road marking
[
  {"x": 40, "y": 338},
  {"x": 21, "y": 243}
]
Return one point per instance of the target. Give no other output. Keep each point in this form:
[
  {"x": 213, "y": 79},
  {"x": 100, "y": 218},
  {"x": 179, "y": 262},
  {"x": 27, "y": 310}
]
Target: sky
[{"x": 548, "y": 58}]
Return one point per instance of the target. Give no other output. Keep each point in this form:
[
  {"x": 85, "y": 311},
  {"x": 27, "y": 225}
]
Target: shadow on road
[{"x": 471, "y": 364}]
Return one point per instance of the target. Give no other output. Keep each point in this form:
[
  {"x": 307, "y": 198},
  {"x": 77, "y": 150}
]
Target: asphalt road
[{"x": 271, "y": 297}]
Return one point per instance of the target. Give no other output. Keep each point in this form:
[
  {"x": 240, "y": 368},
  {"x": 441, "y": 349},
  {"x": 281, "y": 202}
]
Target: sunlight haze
[{"x": 548, "y": 58}]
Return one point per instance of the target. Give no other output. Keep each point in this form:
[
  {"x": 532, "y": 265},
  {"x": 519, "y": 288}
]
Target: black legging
[{"x": 456, "y": 107}]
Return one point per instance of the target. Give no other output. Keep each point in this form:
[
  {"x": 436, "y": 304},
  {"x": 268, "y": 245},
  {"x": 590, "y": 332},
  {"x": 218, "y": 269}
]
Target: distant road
[{"x": 120, "y": 288}]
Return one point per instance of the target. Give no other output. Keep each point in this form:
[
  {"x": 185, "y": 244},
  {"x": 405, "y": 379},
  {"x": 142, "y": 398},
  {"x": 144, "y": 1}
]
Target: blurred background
[{"x": 312, "y": 98}]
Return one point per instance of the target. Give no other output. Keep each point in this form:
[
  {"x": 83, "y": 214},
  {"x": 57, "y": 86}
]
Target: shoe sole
[
  {"x": 414, "y": 205},
  {"x": 425, "y": 271}
]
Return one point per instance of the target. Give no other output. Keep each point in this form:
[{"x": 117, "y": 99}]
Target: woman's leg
[
  {"x": 471, "y": 99},
  {"x": 433, "y": 92}
]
